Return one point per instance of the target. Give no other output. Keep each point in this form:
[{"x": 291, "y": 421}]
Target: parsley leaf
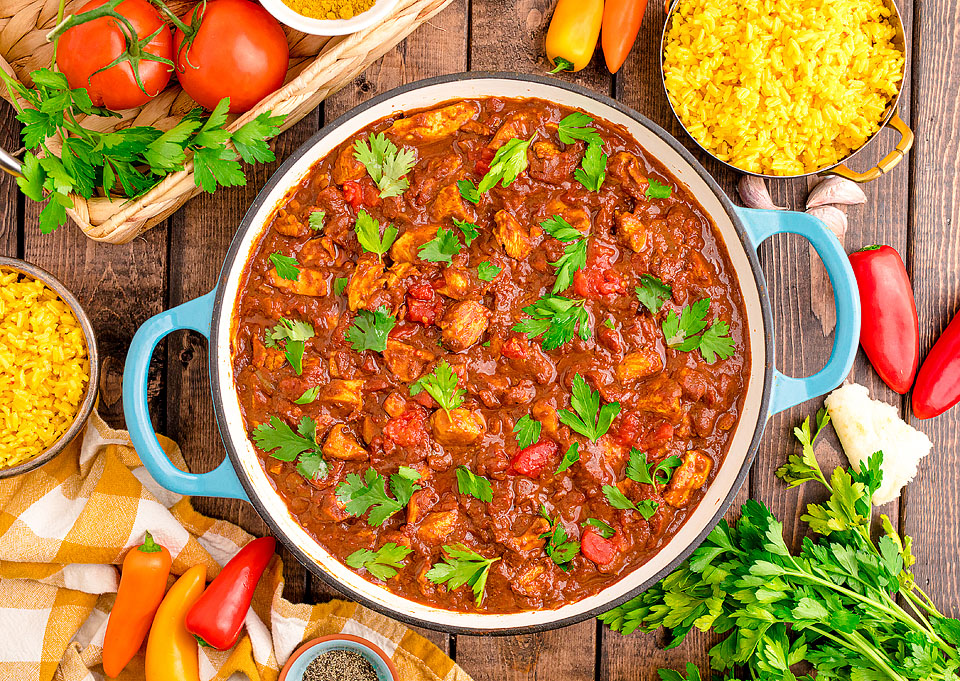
[
  {"x": 279, "y": 440},
  {"x": 316, "y": 219},
  {"x": 370, "y": 493},
  {"x": 527, "y": 431},
  {"x": 470, "y": 230},
  {"x": 652, "y": 292},
  {"x": 286, "y": 266},
  {"x": 646, "y": 507},
  {"x": 371, "y": 329},
  {"x": 716, "y": 342},
  {"x": 593, "y": 168},
  {"x": 441, "y": 385},
  {"x": 441, "y": 248},
  {"x": 382, "y": 563},
  {"x": 385, "y": 163},
  {"x": 571, "y": 456},
  {"x": 560, "y": 549},
  {"x": 462, "y": 566},
  {"x": 577, "y": 126},
  {"x": 509, "y": 161},
  {"x": 475, "y": 485},
  {"x": 293, "y": 335},
  {"x": 655, "y": 190},
  {"x": 487, "y": 271},
  {"x": 557, "y": 319},
  {"x": 588, "y": 418},
  {"x": 368, "y": 234},
  {"x": 681, "y": 332},
  {"x": 340, "y": 285},
  {"x": 308, "y": 396},
  {"x": 250, "y": 139},
  {"x": 574, "y": 254},
  {"x": 608, "y": 322},
  {"x": 639, "y": 470},
  {"x": 602, "y": 528},
  {"x": 469, "y": 191}
]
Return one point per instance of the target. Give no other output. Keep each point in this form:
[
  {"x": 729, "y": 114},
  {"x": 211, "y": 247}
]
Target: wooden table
[{"x": 914, "y": 209}]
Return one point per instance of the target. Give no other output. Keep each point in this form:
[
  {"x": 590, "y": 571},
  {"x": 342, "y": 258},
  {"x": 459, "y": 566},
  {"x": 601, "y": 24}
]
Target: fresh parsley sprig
[
  {"x": 470, "y": 231},
  {"x": 588, "y": 418},
  {"x": 557, "y": 319},
  {"x": 469, "y": 191},
  {"x": 383, "y": 563},
  {"x": 292, "y": 337},
  {"x": 646, "y": 472},
  {"x": 593, "y": 168},
  {"x": 559, "y": 547},
  {"x": 487, "y": 271},
  {"x": 385, "y": 164},
  {"x": 645, "y": 507},
  {"x": 462, "y": 566},
  {"x": 286, "y": 266},
  {"x": 281, "y": 442},
  {"x": 656, "y": 190},
  {"x": 570, "y": 457},
  {"x": 652, "y": 292},
  {"x": 368, "y": 234},
  {"x": 602, "y": 528},
  {"x": 370, "y": 493},
  {"x": 370, "y": 330},
  {"x": 441, "y": 248},
  {"x": 441, "y": 385},
  {"x": 578, "y": 126},
  {"x": 474, "y": 485},
  {"x": 527, "y": 431},
  {"x": 507, "y": 164},
  {"x": 683, "y": 332},
  {"x": 574, "y": 254}
]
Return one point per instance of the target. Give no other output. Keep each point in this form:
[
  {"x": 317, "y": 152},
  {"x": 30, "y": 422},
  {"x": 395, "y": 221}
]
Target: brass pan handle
[
  {"x": 888, "y": 162},
  {"x": 9, "y": 164}
]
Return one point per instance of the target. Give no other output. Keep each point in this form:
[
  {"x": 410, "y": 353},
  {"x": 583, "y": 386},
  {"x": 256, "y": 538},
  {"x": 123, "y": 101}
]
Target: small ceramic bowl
[
  {"x": 297, "y": 664},
  {"x": 90, "y": 398},
  {"x": 297, "y": 21}
]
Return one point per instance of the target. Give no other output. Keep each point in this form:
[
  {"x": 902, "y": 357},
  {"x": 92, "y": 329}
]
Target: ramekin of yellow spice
[
  {"x": 329, "y": 17},
  {"x": 49, "y": 367}
]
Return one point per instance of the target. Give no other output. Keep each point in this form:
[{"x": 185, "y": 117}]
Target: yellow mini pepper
[
  {"x": 172, "y": 650},
  {"x": 573, "y": 33}
]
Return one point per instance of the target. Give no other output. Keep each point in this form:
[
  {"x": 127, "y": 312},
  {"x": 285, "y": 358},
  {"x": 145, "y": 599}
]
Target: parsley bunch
[
  {"x": 846, "y": 604},
  {"x": 129, "y": 161}
]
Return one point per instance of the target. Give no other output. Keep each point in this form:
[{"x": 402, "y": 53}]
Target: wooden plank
[
  {"x": 930, "y": 504},
  {"x": 11, "y": 202},
  {"x": 200, "y": 234}
]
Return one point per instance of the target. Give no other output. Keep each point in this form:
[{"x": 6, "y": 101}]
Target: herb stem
[{"x": 856, "y": 642}]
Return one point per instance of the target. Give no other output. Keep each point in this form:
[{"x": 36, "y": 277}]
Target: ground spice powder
[
  {"x": 340, "y": 665},
  {"x": 329, "y": 9}
]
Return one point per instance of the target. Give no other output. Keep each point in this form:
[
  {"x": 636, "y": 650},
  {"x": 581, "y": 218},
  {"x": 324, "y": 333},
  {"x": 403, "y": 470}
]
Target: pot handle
[
  {"x": 788, "y": 391},
  {"x": 888, "y": 162},
  {"x": 220, "y": 482}
]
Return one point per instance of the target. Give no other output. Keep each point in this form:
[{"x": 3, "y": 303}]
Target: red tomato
[
  {"x": 601, "y": 551},
  {"x": 482, "y": 166},
  {"x": 408, "y": 429},
  {"x": 239, "y": 51},
  {"x": 938, "y": 383},
  {"x": 595, "y": 282},
  {"x": 532, "y": 460},
  {"x": 514, "y": 348},
  {"x": 85, "y": 49},
  {"x": 353, "y": 194},
  {"x": 423, "y": 304}
]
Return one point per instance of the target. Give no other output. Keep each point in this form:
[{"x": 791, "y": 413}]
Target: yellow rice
[
  {"x": 44, "y": 367},
  {"x": 782, "y": 87}
]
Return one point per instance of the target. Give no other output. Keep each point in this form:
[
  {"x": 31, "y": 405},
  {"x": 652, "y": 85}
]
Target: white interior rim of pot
[{"x": 746, "y": 436}]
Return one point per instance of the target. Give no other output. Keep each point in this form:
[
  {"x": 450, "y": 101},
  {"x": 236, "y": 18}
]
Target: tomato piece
[
  {"x": 240, "y": 51},
  {"x": 353, "y": 194},
  {"x": 425, "y": 313},
  {"x": 594, "y": 282},
  {"x": 938, "y": 383},
  {"x": 533, "y": 459},
  {"x": 85, "y": 49},
  {"x": 408, "y": 429},
  {"x": 601, "y": 551},
  {"x": 514, "y": 348},
  {"x": 482, "y": 166}
]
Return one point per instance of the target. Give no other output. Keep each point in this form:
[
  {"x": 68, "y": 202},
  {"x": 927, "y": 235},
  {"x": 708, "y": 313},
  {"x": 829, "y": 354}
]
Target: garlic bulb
[
  {"x": 754, "y": 193},
  {"x": 834, "y": 218},
  {"x": 836, "y": 190}
]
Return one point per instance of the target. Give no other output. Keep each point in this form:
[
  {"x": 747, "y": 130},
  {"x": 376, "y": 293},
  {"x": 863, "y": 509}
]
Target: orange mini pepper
[
  {"x": 171, "y": 649},
  {"x": 143, "y": 580},
  {"x": 621, "y": 24},
  {"x": 573, "y": 33}
]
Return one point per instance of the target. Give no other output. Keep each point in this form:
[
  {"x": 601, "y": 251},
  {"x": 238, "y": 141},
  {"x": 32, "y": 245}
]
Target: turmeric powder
[{"x": 329, "y": 9}]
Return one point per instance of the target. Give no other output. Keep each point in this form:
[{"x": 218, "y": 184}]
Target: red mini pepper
[
  {"x": 217, "y": 618},
  {"x": 938, "y": 383},
  {"x": 890, "y": 333}
]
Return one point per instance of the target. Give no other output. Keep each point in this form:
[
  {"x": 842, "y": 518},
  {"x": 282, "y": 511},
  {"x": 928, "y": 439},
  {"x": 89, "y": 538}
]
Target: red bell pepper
[
  {"x": 890, "y": 333},
  {"x": 938, "y": 383},
  {"x": 531, "y": 460},
  {"x": 217, "y": 618},
  {"x": 595, "y": 547}
]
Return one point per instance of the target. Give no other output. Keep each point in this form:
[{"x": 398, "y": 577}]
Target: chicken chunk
[
  {"x": 347, "y": 168},
  {"x": 319, "y": 252},
  {"x": 579, "y": 218},
  {"x": 421, "y": 502},
  {"x": 546, "y": 413},
  {"x": 430, "y": 126},
  {"x": 449, "y": 204},
  {"x": 518, "y": 124},
  {"x": 459, "y": 283},
  {"x": 662, "y": 398},
  {"x": 343, "y": 393},
  {"x": 460, "y": 427},
  {"x": 463, "y": 324},
  {"x": 438, "y": 526},
  {"x": 366, "y": 280},
  {"x": 644, "y": 363},
  {"x": 550, "y": 164},
  {"x": 405, "y": 361},
  {"x": 691, "y": 475},
  {"x": 631, "y": 231},
  {"x": 530, "y": 540},
  {"x": 530, "y": 582},
  {"x": 516, "y": 240},
  {"x": 628, "y": 170},
  {"x": 289, "y": 224},
  {"x": 270, "y": 359},
  {"x": 342, "y": 445},
  {"x": 309, "y": 282},
  {"x": 407, "y": 246}
]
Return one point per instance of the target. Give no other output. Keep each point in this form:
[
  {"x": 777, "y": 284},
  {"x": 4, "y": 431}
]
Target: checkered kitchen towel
[{"x": 64, "y": 529}]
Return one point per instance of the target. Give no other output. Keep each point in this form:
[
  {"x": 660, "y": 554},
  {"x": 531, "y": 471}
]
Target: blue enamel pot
[{"x": 767, "y": 392}]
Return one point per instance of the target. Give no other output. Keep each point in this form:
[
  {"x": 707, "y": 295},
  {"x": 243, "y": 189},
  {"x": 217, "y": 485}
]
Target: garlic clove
[
  {"x": 754, "y": 193},
  {"x": 836, "y": 190},
  {"x": 834, "y": 218}
]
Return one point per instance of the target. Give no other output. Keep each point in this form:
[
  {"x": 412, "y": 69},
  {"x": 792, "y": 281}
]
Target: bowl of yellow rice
[
  {"x": 49, "y": 367},
  {"x": 786, "y": 89}
]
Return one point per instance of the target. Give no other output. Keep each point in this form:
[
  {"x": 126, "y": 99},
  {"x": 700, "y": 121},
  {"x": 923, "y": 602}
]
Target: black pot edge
[{"x": 279, "y": 175}]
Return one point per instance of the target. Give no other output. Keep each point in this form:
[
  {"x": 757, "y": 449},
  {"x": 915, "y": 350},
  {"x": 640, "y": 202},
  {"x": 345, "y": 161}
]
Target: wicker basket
[{"x": 319, "y": 66}]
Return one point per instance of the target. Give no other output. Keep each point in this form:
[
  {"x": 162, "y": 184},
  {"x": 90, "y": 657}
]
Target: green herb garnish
[
  {"x": 602, "y": 528},
  {"x": 652, "y": 292},
  {"x": 488, "y": 271},
  {"x": 682, "y": 332},
  {"x": 642, "y": 471},
  {"x": 462, "y": 566},
  {"x": 308, "y": 396},
  {"x": 385, "y": 163},
  {"x": 593, "y": 168},
  {"x": 340, "y": 285},
  {"x": 441, "y": 385},
  {"x": 368, "y": 234},
  {"x": 570, "y": 457},
  {"x": 441, "y": 248},
  {"x": 292, "y": 337},
  {"x": 578, "y": 126},
  {"x": 371, "y": 329},
  {"x": 588, "y": 418},
  {"x": 286, "y": 266},
  {"x": 475, "y": 485},
  {"x": 470, "y": 230},
  {"x": 559, "y": 547},
  {"x": 557, "y": 319},
  {"x": 382, "y": 563},
  {"x": 509, "y": 161},
  {"x": 527, "y": 431},
  {"x": 574, "y": 254},
  {"x": 469, "y": 191},
  {"x": 358, "y": 496},
  {"x": 316, "y": 219},
  {"x": 281, "y": 442},
  {"x": 646, "y": 507},
  {"x": 655, "y": 190}
]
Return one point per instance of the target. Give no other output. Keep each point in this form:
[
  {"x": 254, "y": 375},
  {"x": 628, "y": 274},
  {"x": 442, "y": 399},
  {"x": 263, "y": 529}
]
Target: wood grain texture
[
  {"x": 11, "y": 201},
  {"x": 930, "y": 506}
]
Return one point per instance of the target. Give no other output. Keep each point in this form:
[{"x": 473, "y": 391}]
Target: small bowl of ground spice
[
  {"x": 340, "y": 657},
  {"x": 329, "y": 17}
]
